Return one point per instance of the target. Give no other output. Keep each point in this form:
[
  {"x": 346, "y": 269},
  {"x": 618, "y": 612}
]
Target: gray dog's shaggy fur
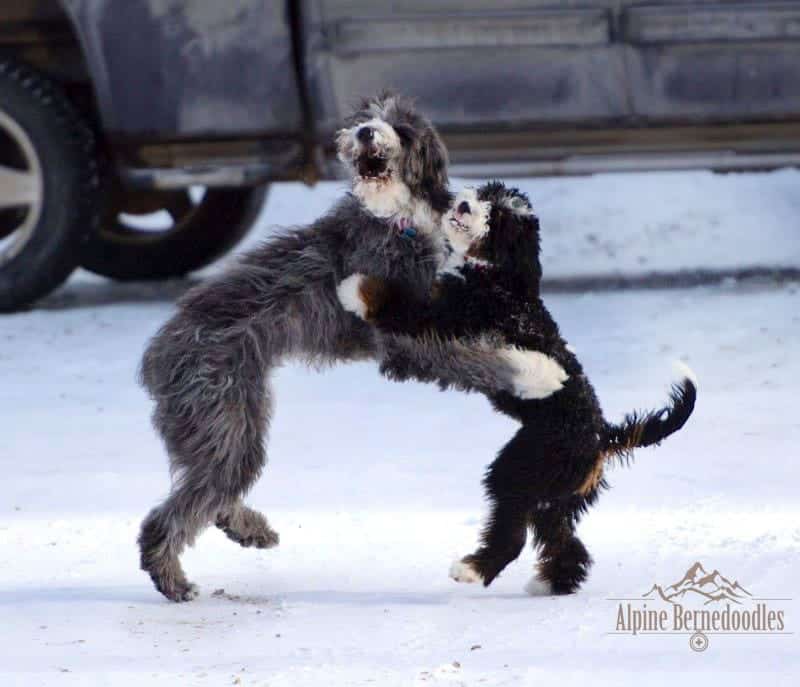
[{"x": 208, "y": 368}]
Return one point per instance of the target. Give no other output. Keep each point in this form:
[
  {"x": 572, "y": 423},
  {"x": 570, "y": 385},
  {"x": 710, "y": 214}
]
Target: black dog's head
[
  {"x": 497, "y": 224},
  {"x": 394, "y": 151}
]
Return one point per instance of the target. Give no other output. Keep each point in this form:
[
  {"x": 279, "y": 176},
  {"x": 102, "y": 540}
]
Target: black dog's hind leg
[
  {"x": 564, "y": 561},
  {"x": 502, "y": 540},
  {"x": 524, "y": 489},
  {"x": 504, "y": 535}
]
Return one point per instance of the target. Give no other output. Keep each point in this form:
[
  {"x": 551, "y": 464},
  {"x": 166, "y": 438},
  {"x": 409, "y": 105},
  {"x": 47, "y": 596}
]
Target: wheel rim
[
  {"x": 141, "y": 217},
  {"x": 21, "y": 188}
]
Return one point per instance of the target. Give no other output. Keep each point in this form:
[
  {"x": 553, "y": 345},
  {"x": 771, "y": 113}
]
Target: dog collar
[{"x": 404, "y": 228}]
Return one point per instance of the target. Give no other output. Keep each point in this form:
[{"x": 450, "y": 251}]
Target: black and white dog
[
  {"x": 551, "y": 471},
  {"x": 208, "y": 367}
]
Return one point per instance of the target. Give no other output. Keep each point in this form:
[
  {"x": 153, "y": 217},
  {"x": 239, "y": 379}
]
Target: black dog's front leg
[
  {"x": 434, "y": 340},
  {"x": 468, "y": 365},
  {"x": 440, "y": 339},
  {"x": 394, "y": 309}
]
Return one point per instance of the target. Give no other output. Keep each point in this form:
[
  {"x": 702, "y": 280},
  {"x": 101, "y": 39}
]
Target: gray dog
[{"x": 208, "y": 368}]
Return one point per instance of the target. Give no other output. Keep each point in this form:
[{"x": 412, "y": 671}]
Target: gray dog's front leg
[
  {"x": 486, "y": 364},
  {"x": 467, "y": 365}
]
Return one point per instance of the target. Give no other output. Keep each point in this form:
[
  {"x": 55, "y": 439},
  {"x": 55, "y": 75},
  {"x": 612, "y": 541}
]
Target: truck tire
[
  {"x": 49, "y": 185},
  {"x": 198, "y": 231}
]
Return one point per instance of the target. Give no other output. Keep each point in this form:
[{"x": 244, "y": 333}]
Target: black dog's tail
[{"x": 647, "y": 429}]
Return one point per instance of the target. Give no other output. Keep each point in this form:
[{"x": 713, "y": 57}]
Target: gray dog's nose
[
  {"x": 463, "y": 208},
  {"x": 365, "y": 134}
]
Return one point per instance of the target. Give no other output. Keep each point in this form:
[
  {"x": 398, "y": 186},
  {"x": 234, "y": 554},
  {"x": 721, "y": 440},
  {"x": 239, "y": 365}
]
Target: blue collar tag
[{"x": 404, "y": 228}]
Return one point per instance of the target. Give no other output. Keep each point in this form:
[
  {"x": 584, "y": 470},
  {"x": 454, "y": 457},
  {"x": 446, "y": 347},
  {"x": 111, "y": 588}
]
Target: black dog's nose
[
  {"x": 365, "y": 134},
  {"x": 463, "y": 208}
]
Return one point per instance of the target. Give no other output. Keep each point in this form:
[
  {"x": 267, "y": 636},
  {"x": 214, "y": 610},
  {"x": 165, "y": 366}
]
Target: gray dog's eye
[{"x": 517, "y": 203}]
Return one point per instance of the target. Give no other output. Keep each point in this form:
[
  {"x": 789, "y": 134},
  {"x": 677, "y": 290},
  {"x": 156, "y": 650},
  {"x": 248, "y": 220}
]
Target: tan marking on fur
[
  {"x": 373, "y": 292},
  {"x": 594, "y": 476},
  {"x": 596, "y": 473},
  {"x": 477, "y": 249}
]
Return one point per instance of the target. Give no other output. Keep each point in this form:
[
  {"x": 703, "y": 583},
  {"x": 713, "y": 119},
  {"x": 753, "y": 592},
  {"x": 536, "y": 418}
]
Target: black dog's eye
[{"x": 406, "y": 134}]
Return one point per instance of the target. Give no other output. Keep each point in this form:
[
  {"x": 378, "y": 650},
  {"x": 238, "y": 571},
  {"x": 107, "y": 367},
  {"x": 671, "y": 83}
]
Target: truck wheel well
[{"x": 41, "y": 34}]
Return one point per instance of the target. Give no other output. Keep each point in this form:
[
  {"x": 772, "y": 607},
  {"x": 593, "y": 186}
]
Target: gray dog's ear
[{"x": 425, "y": 168}]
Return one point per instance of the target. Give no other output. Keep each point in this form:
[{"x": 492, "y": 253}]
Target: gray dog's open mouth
[{"x": 373, "y": 167}]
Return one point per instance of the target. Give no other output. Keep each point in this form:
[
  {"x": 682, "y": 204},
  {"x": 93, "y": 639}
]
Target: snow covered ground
[
  {"x": 634, "y": 224},
  {"x": 375, "y": 488}
]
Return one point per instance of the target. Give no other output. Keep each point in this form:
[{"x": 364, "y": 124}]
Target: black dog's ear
[
  {"x": 531, "y": 249},
  {"x": 514, "y": 246}
]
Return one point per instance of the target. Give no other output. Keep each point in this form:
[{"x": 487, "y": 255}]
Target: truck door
[
  {"x": 180, "y": 68},
  {"x": 713, "y": 61},
  {"x": 471, "y": 64}
]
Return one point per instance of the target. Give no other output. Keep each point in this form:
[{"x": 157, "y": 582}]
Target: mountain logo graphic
[
  {"x": 700, "y": 585},
  {"x": 700, "y": 604}
]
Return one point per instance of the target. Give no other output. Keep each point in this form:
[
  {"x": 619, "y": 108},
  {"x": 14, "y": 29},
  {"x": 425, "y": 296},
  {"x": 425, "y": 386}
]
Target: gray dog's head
[{"x": 396, "y": 157}]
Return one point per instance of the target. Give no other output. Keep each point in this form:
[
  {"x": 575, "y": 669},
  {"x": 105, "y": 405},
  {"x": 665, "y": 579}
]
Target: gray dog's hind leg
[
  {"x": 198, "y": 498},
  {"x": 214, "y": 430},
  {"x": 467, "y": 365},
  {"x": 247, "y": 527}
]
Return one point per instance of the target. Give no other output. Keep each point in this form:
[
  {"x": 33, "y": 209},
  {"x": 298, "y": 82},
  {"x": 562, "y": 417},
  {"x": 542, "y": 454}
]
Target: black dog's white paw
[
  {"x": 536, "y": 375},
  {"x": 461, "y": 571},
  {"x": 538, "y": 587},
  {"x": 349, "y": 293}
]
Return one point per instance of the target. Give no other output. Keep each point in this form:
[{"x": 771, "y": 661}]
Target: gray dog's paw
[
  {"x": 178, "y": 591},
  {"x": 248, "y": 528},
  {"x": 267, "y": 539}
]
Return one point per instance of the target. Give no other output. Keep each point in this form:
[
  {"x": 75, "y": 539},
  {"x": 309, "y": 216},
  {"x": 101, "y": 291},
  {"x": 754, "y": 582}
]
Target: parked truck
[{"x": 138, "y": 137}]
